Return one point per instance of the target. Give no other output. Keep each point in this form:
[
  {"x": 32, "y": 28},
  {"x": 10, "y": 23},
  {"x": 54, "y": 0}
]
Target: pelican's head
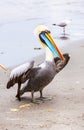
[{"x": 47, "y": 40}]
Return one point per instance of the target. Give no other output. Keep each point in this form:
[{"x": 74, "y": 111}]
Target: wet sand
[
  {"x": 66, "y": 109},
  {"x": 19, "y": 18}
]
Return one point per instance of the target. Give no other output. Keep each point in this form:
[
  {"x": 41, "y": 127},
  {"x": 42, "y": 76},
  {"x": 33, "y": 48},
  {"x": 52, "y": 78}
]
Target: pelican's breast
[
  {"x": 43, "y": 76},
  {"x": 47, "y": 69}
]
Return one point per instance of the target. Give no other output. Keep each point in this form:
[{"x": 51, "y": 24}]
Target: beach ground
[{"x": 65, "y": 111}]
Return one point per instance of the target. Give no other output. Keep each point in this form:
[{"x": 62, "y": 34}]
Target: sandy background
[{"x": 66, "y": 109}]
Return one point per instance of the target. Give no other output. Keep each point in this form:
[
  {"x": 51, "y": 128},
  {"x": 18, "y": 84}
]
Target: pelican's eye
[{"x": 43, "y": 37}]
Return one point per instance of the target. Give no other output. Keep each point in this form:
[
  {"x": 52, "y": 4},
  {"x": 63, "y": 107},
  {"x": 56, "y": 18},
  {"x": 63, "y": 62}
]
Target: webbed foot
[{"x": 45, "y": 98}]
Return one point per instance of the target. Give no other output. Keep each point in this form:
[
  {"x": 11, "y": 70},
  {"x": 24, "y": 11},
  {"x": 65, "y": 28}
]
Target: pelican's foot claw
[{"x": 36, "y": 101}]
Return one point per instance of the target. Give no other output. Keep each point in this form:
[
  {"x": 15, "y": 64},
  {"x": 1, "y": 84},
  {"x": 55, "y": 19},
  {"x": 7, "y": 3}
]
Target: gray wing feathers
[
  {"x": 18, "y": 71},
  {"x": 20, "y": 74}
]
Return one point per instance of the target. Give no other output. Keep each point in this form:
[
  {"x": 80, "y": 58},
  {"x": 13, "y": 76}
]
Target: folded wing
[{"x": 20, "y": 74}]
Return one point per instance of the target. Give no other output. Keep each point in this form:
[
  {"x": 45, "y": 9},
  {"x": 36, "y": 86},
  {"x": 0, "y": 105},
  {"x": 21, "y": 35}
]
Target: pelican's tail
[{"x": 10, "y": 83}]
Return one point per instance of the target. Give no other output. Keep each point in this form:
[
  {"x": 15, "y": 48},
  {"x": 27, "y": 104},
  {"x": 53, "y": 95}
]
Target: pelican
[{"x": 35, "y": 78}]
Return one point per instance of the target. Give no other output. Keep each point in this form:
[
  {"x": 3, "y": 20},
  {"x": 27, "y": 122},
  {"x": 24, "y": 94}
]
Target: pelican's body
[
  {"x": 35, "y": 78},
  {"x": 42, "y": 75}
]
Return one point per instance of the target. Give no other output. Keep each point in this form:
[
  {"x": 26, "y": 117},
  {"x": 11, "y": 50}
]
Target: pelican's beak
[
  {"x": 3, "y": 67},
  {"x": 47, "y": 39}
]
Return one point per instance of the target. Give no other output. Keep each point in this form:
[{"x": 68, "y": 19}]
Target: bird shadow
[
  {"x": 64, "y": 37},
  {"x": 38, "y": 100}
]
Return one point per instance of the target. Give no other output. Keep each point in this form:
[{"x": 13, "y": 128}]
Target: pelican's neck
[{"x": 49, "y": 55}]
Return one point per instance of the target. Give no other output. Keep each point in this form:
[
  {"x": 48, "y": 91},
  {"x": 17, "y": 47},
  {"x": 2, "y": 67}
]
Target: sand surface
[{"x": 66, "y": 109}]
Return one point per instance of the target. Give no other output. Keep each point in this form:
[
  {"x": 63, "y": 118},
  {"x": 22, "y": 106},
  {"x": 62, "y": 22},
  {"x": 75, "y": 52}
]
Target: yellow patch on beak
[{"x": 48, "y": 35}]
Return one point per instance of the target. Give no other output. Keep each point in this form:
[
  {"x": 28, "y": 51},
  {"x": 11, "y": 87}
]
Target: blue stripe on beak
[{"x": 49, "y": 44}]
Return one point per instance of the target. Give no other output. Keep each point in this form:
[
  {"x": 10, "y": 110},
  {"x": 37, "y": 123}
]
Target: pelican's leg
[
  {"x": 32, "y": 94},
  {"x": 44, "y": 98},
  {"x": 36, "y": 101},
  {"x": 41, "y": 94},
  {"x": 18, "y": 92}
]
